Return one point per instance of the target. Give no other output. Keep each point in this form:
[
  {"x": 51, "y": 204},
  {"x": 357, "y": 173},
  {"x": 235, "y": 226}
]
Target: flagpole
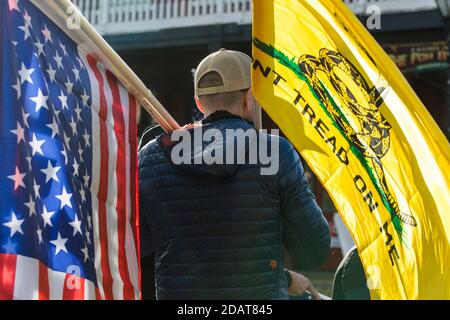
[{"x": 130, "y": 80}]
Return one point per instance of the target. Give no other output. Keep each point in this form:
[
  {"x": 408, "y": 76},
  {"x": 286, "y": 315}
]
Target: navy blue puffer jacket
[{"x": 217, "y": 231}]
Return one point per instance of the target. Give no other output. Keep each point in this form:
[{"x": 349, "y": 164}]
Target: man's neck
[{"x": 220, "y": 115}]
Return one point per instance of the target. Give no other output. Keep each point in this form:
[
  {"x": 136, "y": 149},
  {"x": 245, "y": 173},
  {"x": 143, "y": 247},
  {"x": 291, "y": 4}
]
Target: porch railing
[{"x": 133, "y": 16}]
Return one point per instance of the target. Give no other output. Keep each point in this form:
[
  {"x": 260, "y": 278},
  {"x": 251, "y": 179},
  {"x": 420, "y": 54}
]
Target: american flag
[{"x": 68, "y": 217}]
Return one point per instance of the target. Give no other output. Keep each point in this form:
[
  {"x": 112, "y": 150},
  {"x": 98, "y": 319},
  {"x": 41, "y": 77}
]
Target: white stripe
[
  {"x": 111, "y": 212},
  {"x": 89, "y": 290},
  {"x": 130, "y": 246},
  {"x": 95, "y": 179},
  {"x": 56, "y": 282},
  {"x": 26, "y": 284},
  {"x": 132, "y": 260}
]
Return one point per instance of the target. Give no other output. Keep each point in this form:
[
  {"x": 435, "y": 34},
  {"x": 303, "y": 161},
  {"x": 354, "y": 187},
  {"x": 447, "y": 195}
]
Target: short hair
[{"x": 218, "y": 100}]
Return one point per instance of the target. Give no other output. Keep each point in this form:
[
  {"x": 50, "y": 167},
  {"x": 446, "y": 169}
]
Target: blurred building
[{"x": 164, "y": 40}]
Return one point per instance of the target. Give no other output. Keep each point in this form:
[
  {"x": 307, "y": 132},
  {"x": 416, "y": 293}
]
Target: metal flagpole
[{"x": 124, "y": 73}]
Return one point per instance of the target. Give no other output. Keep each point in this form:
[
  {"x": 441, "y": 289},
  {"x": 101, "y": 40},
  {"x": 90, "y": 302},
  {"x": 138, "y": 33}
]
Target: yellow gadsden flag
[{"x": 346, "y": 107}]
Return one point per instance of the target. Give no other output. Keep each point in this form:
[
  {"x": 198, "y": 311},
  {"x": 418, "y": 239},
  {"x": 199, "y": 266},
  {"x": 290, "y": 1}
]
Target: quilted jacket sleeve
[
  {"x": 306, "y": 234},
  {"x": 146, "y": 241}
]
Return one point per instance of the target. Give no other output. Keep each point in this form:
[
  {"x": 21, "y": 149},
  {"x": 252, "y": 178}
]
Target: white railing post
[
  {"x": 133, "y": 16},
  {"x": 220, "y": 9},
  {"x": 152, "y": 11},
  {"x": 143, "y": 10},
  {"x": 103, "y": 22}
]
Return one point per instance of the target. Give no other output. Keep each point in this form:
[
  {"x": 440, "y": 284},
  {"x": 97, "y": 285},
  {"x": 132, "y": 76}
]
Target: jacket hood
[{"x": 210, "y": 148}]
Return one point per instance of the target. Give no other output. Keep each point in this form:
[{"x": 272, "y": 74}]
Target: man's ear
[
  {"x": 249, "y": 98},
  {"x": 199, "y": 105},
  {"x": 249, "y": 105}
]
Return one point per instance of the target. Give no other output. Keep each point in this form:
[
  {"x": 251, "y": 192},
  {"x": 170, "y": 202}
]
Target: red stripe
[
  {"x": 44, "y": 290},
  {"x": 134, "y": 194},
  {"x": 98, "y": 296},
  {"x": 73, "y": 288},
  {"x": 121, "y": 207},
  {"x": 103, "y": 184},
  {"x": 7, "y": 275}
]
